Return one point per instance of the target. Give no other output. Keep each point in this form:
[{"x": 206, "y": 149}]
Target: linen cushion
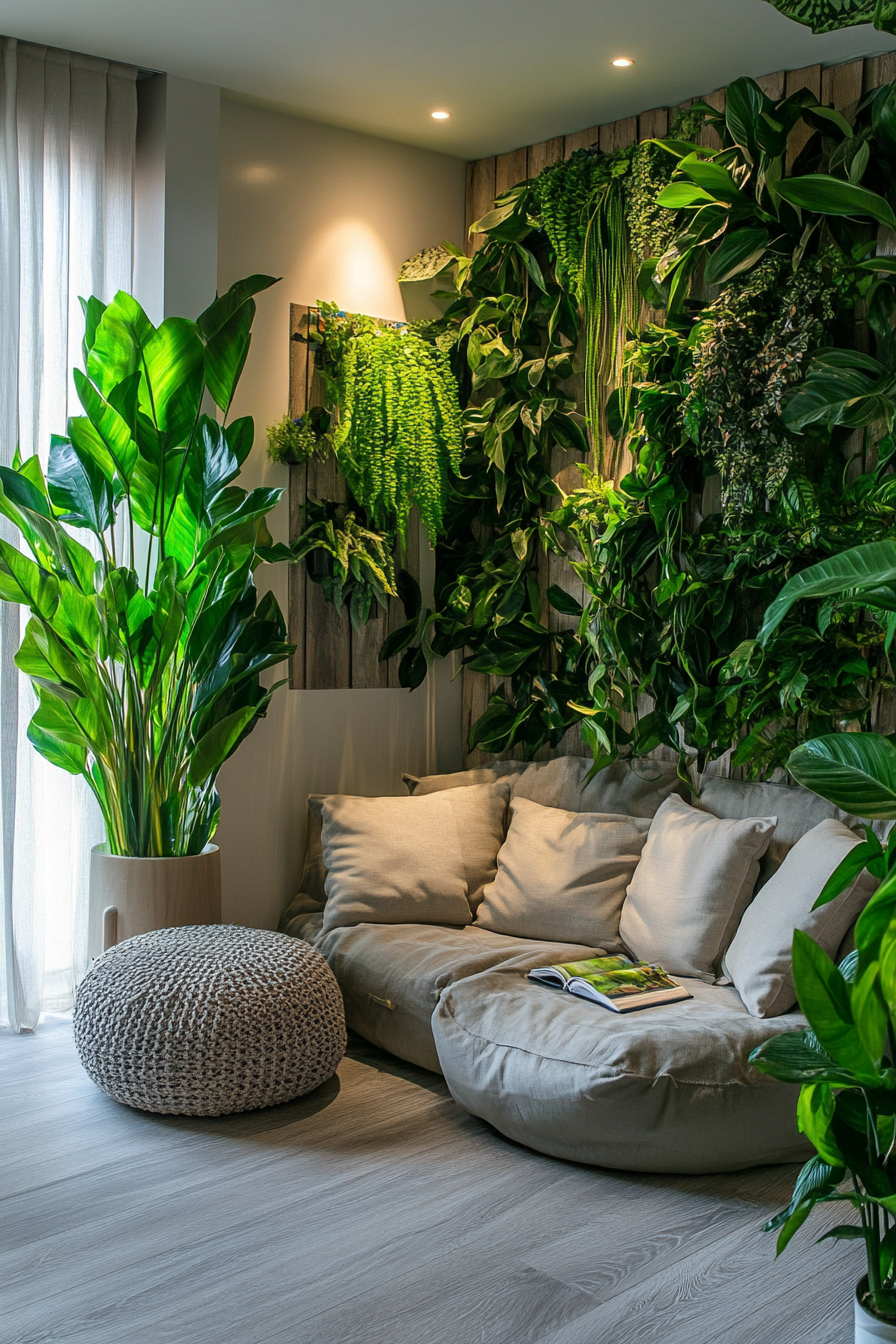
[
  {"x": 796, "y": 808},
  {"x": 563, "y": 875},
  {"x": 695, "y": 878},
  {"x": 410, "y": 860},
  {"x": 667, "y": 1089},
  {"x": 759, "y": 958},
  {"x": 635, "y": 790},
  {"x": 392, "y": 975}
]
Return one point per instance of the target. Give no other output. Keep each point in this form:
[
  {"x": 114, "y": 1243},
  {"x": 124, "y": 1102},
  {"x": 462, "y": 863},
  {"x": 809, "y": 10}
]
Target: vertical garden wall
[{"x": 672, "y": 342}]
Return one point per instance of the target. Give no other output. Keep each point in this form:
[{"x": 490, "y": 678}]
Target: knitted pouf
[{"x": 209, "y": 1019}]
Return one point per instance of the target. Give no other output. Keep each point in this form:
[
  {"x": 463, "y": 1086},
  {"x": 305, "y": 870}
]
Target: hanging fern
[
  {"x": 400, "y": 429},
  {"x": 564, "y": 191}
]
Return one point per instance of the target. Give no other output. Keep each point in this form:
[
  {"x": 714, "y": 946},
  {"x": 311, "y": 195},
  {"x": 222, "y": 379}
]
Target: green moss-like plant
[{"x": 400, "y": 430}]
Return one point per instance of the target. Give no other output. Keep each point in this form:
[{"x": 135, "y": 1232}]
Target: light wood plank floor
[{"x": 373, "y": 1212}]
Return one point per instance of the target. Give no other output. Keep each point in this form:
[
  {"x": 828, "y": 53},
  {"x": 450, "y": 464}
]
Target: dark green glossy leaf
[
  {"x": 855, "y": 771},
  {"x": 79, "y": 489},
  {"x": 861, "y": 568},
  {"x": 832, "y": 196},
  {"x": 737, "y": 252}
]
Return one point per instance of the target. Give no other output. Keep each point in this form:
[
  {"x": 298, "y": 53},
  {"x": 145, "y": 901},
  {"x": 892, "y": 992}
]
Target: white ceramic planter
[
  {"x": 131, "y": 896},
  {"x": 869, "y": 1330}
]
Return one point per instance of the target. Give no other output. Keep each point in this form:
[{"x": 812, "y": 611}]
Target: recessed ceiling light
[
  {"x": 440, "y": 116},
  {"x": 622, "y": 61}
]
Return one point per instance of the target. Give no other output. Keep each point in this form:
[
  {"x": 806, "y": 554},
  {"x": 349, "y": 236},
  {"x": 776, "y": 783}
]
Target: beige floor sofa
[{"x": 666, "y": 1090}]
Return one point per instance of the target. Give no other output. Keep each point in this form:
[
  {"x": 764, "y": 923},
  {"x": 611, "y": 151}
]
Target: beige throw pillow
[
  {"x": 695, "y": 878},
  {"x": 759, "y": 958},
  {"x": 563, "y": 875},
  {"x": 410, "y": 860}
]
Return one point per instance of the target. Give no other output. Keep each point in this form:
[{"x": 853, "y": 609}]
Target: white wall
[{"x": 335, "y": 214}]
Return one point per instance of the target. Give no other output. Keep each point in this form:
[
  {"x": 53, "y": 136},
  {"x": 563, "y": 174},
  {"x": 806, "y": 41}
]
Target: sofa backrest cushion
[
  {"x": 410, "y": 860},
  {"x": 635, "y": 790},
  {"x": 759, "y": 958},
  {"x": 696, "y": 876},
  {"x": 563, "y": 875}
]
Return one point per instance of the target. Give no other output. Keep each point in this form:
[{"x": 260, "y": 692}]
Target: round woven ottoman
[{"x": 208, "y": 1020}]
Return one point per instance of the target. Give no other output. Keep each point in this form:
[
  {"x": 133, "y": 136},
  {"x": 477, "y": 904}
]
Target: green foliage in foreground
[
  {"x": 145, "y": 646},
  {"x": 846, "y": 1061}
]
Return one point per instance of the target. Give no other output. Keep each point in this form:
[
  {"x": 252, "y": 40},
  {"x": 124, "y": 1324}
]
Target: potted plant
[
  {"x": 147, "y": 639},
  {"x": 846, "y": 1060}
]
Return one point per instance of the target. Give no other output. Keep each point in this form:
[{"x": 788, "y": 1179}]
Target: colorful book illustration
[{"x": 617, "y": 983}]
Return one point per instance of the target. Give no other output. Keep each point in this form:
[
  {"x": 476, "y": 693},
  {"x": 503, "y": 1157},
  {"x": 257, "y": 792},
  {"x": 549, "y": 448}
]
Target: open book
[{"x": 616, "y": 982}]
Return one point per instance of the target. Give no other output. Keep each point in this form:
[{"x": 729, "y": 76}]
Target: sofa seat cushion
[
  {"x": 391, "y": 975},
  {"x": 667, "y": 1089}
]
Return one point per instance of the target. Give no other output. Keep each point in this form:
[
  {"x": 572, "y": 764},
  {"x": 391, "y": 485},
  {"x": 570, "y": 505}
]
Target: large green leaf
[
  {"x": 883, "y": 118},
  {"x": 24, "y": 582},
  {"x": 212, "y": 750},
  {"x": 715, "y": 179},
  {"x": 171, "y": 390},
  {"x": 797, "y": 1057},
  {"x": 823, "y": 996},
  {"x": 111, "y": 427},
  {"x": 825, "y": 195},
  {"x": 738, "y": 251},
  {"x": 744, "y": 104},
  {"x": 117, "y": 349},
  {"x": 218, "y": 314},
  {"x": 815, "y": 1111},
  {"x": 225, "y": 355},
  {"x": 854, "y": 771},
  {"x": 859, "y": 570},
  {"x": 842, "y": 387},
  {"x": 79, "y": 489}
]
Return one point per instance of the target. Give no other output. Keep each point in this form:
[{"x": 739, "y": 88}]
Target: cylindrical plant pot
[
  {"x": 130, "y": 896},
  {"x": 870, "y": 1329}
]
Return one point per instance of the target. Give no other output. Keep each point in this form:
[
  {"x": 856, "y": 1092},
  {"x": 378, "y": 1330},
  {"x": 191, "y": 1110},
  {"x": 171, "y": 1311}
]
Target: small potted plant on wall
[{"x": 146, "y": 640}]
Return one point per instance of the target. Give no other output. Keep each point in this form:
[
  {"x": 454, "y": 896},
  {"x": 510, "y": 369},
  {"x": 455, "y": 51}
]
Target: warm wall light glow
[
  {"x": 440, "y": 116},
  {"x": 622, "y": 61}
]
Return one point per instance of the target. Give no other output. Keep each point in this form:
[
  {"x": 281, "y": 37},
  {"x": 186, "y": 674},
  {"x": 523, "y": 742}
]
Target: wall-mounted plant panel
[{"x": 330, "y": 653}]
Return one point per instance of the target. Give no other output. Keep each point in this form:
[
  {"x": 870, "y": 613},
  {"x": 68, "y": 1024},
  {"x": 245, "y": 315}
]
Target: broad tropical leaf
[
  {"x": 854, "y": 771},
  {"x": 860, "y": 570},
  {"x": 825, "y": 195}
]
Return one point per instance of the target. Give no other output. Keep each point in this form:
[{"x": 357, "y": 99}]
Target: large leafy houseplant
[
  {"x": 145, "y": 644},
  {"x": 846, "y": 1061}
]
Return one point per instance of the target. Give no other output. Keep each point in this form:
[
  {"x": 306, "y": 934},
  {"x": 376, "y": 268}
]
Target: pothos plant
[{"x": 145, "y": 645}]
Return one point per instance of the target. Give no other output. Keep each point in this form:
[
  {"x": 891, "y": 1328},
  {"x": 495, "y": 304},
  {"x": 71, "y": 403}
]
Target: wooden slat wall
[
  {"x": 840, "y": 86},
  {"x": 330, "y": 655}
]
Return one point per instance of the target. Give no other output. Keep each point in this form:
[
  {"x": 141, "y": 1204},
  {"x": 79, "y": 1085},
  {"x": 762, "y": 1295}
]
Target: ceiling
[{"x": 511, "y": 72}]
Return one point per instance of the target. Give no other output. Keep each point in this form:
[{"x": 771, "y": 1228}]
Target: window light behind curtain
[{"x": 67, "y": 134}]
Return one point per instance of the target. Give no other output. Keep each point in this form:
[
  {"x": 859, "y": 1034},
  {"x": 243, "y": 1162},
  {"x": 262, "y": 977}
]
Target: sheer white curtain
[{"x": 67, "y": 133}]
